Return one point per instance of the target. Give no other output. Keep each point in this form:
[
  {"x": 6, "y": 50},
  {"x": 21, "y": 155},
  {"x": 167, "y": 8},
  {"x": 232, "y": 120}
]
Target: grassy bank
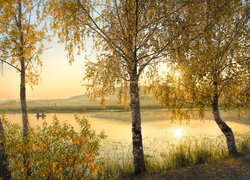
[{"x": 188, "y": 152}]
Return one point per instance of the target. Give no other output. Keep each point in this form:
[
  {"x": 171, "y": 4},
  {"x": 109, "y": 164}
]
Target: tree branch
[
  {"x": 98, "y": 30},
  {"x": 8, "y": 63},
  {"x": 32, "y": 57}
]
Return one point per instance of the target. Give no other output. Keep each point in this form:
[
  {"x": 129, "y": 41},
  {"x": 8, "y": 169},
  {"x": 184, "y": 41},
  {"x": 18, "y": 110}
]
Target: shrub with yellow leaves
[{"x": 55, "y": 151}]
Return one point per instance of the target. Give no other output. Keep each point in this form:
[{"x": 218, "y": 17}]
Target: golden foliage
[
  {"x": 128, "y": 36},
  {"x": 214, "y": 51},
  {"x": 22, "y": 31},
  {"x": 55, "y": 151}
]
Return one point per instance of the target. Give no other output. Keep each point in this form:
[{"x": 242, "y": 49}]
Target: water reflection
[
  {"x": 178, "y": 132},
  {"x": 158, "y": 130},
  {"x": 155, "y": 124}
]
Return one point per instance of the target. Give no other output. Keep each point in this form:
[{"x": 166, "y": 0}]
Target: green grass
[{"x": 187, "y": 153}]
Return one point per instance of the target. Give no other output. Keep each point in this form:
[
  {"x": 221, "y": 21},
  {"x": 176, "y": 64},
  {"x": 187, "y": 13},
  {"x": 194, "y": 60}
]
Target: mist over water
[
  {"x": 158, "y": 130},
  {"x": 155, "y": 123}
]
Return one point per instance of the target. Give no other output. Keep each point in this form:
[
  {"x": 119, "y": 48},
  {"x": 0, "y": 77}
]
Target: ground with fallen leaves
[{"x": 233, "y": 168}]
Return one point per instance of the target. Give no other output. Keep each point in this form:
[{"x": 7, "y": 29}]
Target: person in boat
[{"x": 40, "y": 115}]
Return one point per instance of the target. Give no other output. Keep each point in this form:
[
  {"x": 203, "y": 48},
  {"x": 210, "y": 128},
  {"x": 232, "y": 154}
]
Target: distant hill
[
  {"x": 76, "y": 101},
  {"x": 9, "y": 103}
]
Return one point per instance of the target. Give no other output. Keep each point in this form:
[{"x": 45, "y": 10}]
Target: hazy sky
[{"x": 58, "y": 79}]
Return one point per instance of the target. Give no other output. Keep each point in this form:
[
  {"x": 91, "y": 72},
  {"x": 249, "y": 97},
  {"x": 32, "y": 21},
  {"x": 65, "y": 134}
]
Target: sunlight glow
[
  {"x": 177, "y": 74},
  {"x": 178, "y": 132}
]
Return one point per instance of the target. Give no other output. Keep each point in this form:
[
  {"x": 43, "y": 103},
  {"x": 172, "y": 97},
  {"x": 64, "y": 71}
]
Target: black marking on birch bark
[
  {"x": 227, "y": 131},
  {"x": 138, "y": 154}
]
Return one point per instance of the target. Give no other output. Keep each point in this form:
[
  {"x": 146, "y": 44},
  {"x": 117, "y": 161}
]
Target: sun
[
  {"x": 178, "y": 132},
  {"x": 177, "y": 74}
]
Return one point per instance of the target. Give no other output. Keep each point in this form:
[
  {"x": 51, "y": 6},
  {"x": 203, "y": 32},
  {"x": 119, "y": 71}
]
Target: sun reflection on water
[{"x": 178, "y": 132}]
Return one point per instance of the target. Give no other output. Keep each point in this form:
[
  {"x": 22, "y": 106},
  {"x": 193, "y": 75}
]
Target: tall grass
[
  {"x": 118, "y": 162},
  {"x": 116, "y": 159},
  {"x": 243, "y": 142},
  {"x": 192, "y": 152}
]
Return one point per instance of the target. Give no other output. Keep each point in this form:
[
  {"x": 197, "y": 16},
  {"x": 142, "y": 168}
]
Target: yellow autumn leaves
[
  {"x": 23, "y": 32},
  {"x": 55, "y": 151}
]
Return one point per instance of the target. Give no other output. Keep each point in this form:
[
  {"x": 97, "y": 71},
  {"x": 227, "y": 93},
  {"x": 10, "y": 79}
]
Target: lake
[{"x": 157, "y": 127}]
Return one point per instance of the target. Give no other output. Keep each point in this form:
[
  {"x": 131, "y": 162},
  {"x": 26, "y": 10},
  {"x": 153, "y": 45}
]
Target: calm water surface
[{"x": 156, "y": 125}]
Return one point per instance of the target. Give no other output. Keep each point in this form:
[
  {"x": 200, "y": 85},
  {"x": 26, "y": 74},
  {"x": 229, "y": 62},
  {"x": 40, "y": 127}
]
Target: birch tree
[
  {"x": 214, "y": 67},
  {"x": 21, "y": 36},
  {"x": 128, "y": 38}
]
